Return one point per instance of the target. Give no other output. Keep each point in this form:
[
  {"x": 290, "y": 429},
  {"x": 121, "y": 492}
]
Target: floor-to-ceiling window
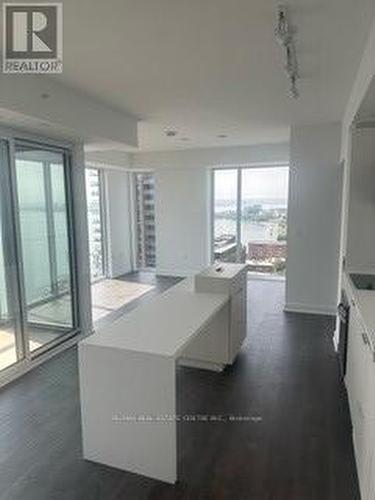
[
  {"x": 226, "y": 198},
  {"x": 109, "y": 213},
  {"x": 41, "y": 183},
  {"x": 11, "y": 343},
  {"x": 95, "y": 211},
  {"x": 37, "y": 281},
  {"x": 264, "y": 206},
  {"x": 145, "y": 220},
  {"x": 250, "y": 217}
]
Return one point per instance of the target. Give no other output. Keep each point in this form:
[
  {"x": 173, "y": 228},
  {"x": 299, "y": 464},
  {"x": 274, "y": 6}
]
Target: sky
[{"x": 257, "y": 183}]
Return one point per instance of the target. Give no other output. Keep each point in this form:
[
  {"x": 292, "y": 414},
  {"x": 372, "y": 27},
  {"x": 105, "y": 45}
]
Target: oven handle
[{"x": 343, "y": 312}]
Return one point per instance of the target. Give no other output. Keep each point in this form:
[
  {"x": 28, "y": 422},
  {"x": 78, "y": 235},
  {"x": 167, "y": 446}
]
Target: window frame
[
  {"x": 67, "y": 167},
  {"x": 103, "y": 222},
  {"x": 135, "y": 231},
  {"x": 239, "y": 169}
]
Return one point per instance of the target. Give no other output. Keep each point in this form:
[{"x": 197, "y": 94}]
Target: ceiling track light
[
  {"x": 170, "y": 132},
  {"x": 364, "y": 124},
  {"x": 284, "y": 33}
]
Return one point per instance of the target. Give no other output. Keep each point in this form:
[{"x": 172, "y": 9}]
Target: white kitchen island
[{"x": 128, "y": 369}]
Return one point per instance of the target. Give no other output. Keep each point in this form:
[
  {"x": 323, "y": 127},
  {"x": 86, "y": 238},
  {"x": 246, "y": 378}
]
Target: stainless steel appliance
[{"x": 343, "y": 310}]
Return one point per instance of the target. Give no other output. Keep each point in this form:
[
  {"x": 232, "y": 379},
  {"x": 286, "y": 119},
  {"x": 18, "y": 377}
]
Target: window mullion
[
  {"x": 50, "y": 229},
  {"x": 238, "y": 215}
]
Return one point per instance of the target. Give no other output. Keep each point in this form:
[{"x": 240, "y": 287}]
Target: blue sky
[{"x": 257, "y": 183}]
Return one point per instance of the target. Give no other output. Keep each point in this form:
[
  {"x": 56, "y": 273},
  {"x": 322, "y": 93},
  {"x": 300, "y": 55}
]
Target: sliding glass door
[
  {"x": 250, "y": 218},
  {"x": 11, "y": 341},
  {"x": 8, "y": 339},
  {"x": 37, "y": 282},
  {"x": 42, "y": 199}
]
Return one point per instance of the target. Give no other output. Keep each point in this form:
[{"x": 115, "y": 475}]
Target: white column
[{"x": 81, "y": 239}]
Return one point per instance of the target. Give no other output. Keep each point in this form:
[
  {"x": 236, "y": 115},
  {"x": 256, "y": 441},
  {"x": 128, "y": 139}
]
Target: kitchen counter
[{"x": 127, "y": 370}]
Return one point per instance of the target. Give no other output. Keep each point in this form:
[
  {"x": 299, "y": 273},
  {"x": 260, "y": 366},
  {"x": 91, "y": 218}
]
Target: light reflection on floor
[
  {"x": 8, "y": 355},
  {"x": 108, "y": 296}
]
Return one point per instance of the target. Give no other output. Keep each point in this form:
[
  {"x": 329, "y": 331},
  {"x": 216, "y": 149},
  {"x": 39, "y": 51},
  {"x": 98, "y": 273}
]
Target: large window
[
  {"x": 10, "y": 341},
  {"x": 94, "y": 193},
  {"x": 250, "y": 218},
  {"x": 145, "y": 220},
  {"x": 226, "y": 241},
  {"x": 37, "y": 285},
  {"x": 46, "y": 251}
]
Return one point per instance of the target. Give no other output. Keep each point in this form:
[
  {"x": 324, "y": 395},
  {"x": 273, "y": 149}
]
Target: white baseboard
[
  {"x": 179, "y": 273},
  {"x": 307, "y": 309}
]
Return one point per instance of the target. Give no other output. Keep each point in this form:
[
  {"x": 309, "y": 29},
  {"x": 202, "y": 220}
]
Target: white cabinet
[
  {"x": 356, "y": 376},
  {"x": 143, "y": 347},
  {"x": 360, "y": 382},
  {"x": 209, "y": 348},
  {"x": 230, "y": 279},
  {"x": 371, "y": 483},
  {"x": 367, "y": 471},
  {"x": 237, "y": 315}
]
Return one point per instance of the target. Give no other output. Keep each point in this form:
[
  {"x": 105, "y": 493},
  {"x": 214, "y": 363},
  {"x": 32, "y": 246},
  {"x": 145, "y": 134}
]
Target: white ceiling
[
  {"x": 32, "y": 125},
  {"x": 210, "y": 67}
]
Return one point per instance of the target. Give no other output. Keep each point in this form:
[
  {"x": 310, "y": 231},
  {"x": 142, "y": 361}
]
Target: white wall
[
  {"x": 109, "y": 159},
  {"x": 358, "y": 151},
  {"x": 314, "y": 218},
  {"x": 364, "y": 78},
  {"x": 81, "y": 239},
  {"x": 182, "y": 220},
  {"x": 118, "y": 218},
  {"x": 360, "y": 251},
  {"x": 183, "y": 211},
  {"x": 210, "y": 157},
  {"x": 183, "y": 199},
  {"x": 361, "y": 85}
]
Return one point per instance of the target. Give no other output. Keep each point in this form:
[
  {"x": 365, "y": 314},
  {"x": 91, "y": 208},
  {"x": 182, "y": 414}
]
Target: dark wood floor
[{"x": 297, "y": 445}]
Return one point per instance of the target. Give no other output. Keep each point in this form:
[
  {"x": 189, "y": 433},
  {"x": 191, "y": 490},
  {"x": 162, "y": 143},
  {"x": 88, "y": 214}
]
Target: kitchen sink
[{"x": 363, "y": 281}]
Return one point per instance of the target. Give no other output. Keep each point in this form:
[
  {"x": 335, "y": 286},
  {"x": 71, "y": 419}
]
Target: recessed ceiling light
[
  {"x": 170, "y": 132},
  {"x": 222, "y": 136}
]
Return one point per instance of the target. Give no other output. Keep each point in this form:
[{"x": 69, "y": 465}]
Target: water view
[{"x": 261, "y": 239}]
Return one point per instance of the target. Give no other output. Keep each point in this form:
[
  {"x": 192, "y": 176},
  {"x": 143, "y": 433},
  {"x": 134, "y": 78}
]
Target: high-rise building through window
[
  {"x": 145, "y": 219},
  {"x": 95, "y": 223}
]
